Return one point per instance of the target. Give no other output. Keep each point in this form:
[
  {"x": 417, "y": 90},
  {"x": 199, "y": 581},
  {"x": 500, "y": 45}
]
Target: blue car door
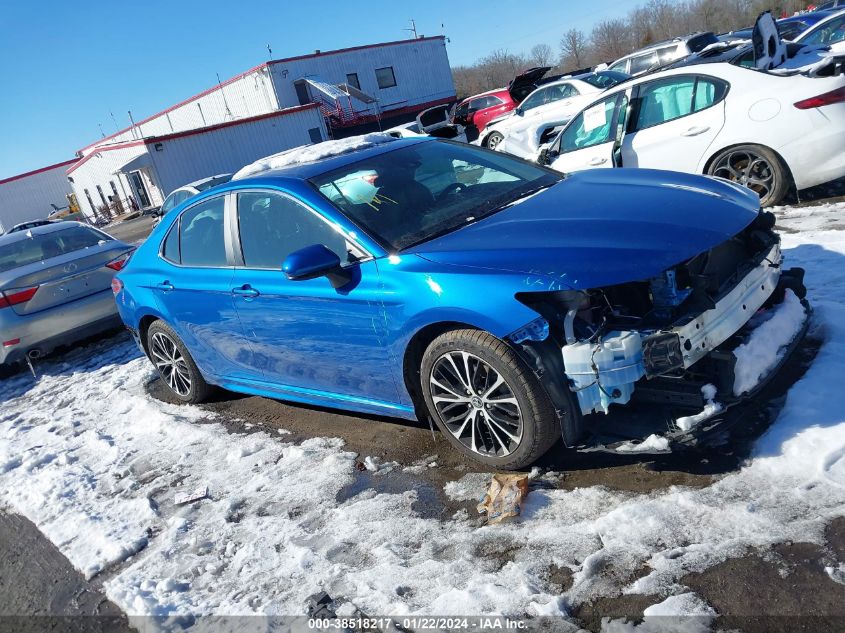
[
  {"x": 194, "y": 292},
  {"x": 310, "y": 340}
]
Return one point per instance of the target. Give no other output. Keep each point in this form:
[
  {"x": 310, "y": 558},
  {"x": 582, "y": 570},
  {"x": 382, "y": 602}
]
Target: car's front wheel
[
  {"x": 755, "y": 167},
  {"x": 177, "y": 369},
  {"x": 493, "y": 139},
  {"x": 487, "y": 403}
]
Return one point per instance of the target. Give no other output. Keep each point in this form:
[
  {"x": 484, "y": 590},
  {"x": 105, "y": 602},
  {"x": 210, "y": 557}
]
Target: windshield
[
  {"x": 418, "y": 192},
  {"x": 29, "y": 250},
  {"x": 604, "y": 78}
]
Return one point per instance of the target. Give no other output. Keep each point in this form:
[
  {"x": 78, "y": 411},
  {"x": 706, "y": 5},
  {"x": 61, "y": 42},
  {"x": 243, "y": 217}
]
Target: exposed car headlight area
[{"x": 675, "y": 331}]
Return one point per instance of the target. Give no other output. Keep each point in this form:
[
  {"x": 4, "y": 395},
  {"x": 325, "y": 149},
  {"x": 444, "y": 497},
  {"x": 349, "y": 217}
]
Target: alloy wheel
[
  {"x": 748, "y": 169},
  {"x": 494, "y": 139},
  {"x": 476, "y": 404},
  {"x": 170, "y": 363}
]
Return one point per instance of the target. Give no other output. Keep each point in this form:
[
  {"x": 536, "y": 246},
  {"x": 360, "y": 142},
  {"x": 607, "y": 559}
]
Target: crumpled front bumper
[{"x": 608, "y": 371}]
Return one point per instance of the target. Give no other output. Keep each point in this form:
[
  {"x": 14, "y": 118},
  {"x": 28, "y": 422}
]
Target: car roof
[
  {"x": 495, "y": 91},
  {"x": 307, "y": 170},
  {"x": 202, "y": 181},
  {"x": 53, "y": 227}
]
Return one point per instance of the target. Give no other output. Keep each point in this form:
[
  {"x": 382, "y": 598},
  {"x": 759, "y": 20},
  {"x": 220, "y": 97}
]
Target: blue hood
[{"x": 602, "y": 227}]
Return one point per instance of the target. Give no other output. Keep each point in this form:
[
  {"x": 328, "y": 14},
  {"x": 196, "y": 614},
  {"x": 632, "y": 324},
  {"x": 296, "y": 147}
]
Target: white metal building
[
  {"x": 141, "y": 172},
  {"x": 272, "y": 107},
  {"x": 33, "y": 195}
]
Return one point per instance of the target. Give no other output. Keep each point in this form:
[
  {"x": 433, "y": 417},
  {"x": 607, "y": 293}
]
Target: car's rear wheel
[
  {"x": 175, "y": 366},
  {"x": 493, "y": 139},
  {"x": 485, "y": 400},
  {"x": 755, "y": 167}
]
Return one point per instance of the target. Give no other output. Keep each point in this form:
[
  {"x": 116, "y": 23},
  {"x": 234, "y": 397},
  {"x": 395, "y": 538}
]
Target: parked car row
[
  {"x": 772, "y": 120},
  {"x": 419, "y": 277},
  {"x": 404, "y": 275}
]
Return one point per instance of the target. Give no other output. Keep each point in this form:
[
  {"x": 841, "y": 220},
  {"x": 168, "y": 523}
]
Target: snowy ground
[{"x": 96, "y": 463}]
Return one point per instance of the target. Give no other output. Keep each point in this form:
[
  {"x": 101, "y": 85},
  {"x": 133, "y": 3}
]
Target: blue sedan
[{"x": 421, "y": 277}]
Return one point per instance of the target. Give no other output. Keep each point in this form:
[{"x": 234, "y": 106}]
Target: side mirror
[
  {"x": 315, "y": 261},
  {"x": 519, "y": 111}
]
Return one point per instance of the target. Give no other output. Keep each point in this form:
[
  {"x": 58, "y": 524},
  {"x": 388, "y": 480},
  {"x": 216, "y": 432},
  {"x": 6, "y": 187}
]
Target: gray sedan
[{"x": 55, "y": 287}]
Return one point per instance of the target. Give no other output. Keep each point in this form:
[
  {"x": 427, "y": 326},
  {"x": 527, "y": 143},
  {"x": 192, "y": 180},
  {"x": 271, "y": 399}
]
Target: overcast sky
[{"x": 65, "y": 66}]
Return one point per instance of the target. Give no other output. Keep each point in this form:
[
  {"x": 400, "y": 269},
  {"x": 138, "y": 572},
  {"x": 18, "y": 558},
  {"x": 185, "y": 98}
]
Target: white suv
[{"x": 662, "y": 53}]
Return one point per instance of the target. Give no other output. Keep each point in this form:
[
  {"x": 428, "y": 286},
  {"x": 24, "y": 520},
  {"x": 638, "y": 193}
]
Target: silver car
[{"x": 55, "y": 287}]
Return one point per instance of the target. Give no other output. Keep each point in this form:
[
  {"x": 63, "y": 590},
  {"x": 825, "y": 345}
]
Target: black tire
[
  {"x": 197, "y": 390},
  {"x": 538, "y": 421},
  {"x": 493, "y": 139},
  {"x": 755, "y": 167}
]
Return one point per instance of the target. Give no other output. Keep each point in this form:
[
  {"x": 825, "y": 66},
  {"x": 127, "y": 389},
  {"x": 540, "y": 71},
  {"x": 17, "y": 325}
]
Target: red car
[{"x": 480, "y": 109}]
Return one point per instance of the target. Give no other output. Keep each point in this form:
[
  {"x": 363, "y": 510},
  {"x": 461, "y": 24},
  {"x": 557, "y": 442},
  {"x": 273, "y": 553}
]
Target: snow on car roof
[{"x": 312, "y": 153}]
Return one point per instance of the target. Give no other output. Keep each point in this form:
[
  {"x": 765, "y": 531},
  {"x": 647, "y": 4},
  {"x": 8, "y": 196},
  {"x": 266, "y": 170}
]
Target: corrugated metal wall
[
  {"x": 249, "y": 95},
  {"x": 99, "y": 170},
  {"x": 29, "y": 197},
  {"x": 188, "y": 158},
  {"x": 421, "y": 69}
]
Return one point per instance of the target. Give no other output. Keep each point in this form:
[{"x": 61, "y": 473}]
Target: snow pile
[
  {"x": 836, "y": 574},
  {"x": 653, "y": 443},
  {"x": 95, "y": 463},
  {"x": 767, "y": 344},
  {"x": 311, "y": 153},
  {"x": 711, "y": 408}
]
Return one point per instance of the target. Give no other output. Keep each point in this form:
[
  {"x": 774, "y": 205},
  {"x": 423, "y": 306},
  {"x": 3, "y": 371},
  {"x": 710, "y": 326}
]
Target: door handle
[
  {"x": 166, "y": 286},
  {"x": 246, "y": 291},
  {"x": 695, "y": 130},
  {"x": 597, "y": 161}
]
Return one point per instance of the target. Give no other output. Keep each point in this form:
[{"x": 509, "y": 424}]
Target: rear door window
[
  {"x": 669, "y": 99},
  {"x": 201, "y": 235}
]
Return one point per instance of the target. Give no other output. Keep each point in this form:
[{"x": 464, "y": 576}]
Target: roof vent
[{"x": 317, "y": 52}]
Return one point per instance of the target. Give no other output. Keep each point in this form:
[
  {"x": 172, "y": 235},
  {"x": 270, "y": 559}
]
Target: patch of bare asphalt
[{"x": 41, "y": 591}]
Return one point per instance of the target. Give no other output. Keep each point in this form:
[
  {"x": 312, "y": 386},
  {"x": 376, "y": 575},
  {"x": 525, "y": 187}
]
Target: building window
[
  {"x": 315, "y": 134},
  {"x": 385, "y": 77},
  {"x": 352, "y": 80}
]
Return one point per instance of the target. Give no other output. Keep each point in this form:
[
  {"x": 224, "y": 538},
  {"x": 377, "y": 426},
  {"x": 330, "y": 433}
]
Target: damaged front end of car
[{"x": 688, "y": 340}]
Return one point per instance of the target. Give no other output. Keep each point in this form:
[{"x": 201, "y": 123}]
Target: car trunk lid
[
  {"x": 525, "y": 82},
  {"x": 58, "y": 280}
]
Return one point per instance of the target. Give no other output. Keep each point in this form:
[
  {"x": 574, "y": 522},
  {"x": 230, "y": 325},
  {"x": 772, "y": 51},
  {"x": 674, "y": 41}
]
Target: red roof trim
[
  {"x": 355, "y": 48},
  {"x": 105, "y": 148},
  {"x": 178, "y": 105},
  {"x": 211, "y": 128},
  {"x": 37, "y": 171}
]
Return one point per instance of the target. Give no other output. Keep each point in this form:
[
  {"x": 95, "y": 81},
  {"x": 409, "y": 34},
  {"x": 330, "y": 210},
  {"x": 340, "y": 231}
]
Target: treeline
[{"x": 610, "y": 39}]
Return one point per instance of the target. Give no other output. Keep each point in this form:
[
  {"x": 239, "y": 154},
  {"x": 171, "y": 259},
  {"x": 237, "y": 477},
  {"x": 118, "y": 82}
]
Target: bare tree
[
  {"x": 573, "y": 49},
  {"x": 610, "y": 39},
  {"x": 543, "y": 55}
]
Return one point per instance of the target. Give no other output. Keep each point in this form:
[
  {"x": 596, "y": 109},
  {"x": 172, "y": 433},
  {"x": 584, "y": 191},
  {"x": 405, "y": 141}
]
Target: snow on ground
[
  {"x": 96, "y": 464},
  {"x": 682, "y": 613},
  {"x": 311, "y": 153}
]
